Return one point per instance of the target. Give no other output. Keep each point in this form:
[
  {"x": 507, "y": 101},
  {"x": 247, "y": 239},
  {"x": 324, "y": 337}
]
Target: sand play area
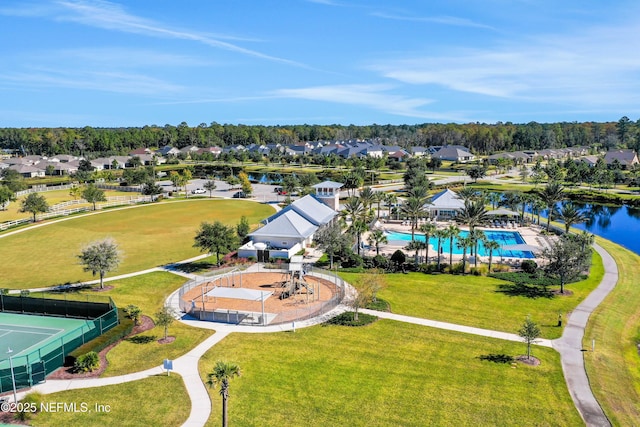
[{"x": 285, "y": 298}]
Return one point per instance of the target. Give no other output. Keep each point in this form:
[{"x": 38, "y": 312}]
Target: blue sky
[{"x": 143, "y": 62}]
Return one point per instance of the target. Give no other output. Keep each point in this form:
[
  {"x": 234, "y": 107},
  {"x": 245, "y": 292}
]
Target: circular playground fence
[{"x": 266, "y": 297}]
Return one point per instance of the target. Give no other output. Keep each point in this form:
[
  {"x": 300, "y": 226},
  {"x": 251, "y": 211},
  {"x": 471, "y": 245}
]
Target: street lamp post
[{"x": 13, "y": 377}]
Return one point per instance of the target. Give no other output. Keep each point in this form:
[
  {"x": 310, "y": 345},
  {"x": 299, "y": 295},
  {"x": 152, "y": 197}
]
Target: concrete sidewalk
[
  {"x": 454, "y": 327},
  {"x": 572, "y": 353},
  {"x": 569, "y": 346}
]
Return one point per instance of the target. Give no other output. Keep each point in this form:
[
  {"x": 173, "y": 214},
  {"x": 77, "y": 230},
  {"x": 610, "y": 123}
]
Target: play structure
[
  {"x": 294, "y": 283},
  {"x": 262, "y": 298}
]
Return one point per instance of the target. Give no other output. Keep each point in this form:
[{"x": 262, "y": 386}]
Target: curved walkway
[{"x": 569, "y": 346}]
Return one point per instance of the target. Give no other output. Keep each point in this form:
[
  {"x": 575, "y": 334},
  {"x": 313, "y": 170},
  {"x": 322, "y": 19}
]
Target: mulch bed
[
  {"x": 105, "y": 289},
  {"x": 567, "y": 292},
  {"x": 533, "y": 361},
  {"x": 167, "y": 340},
  {"x": 66, "y": 373}
]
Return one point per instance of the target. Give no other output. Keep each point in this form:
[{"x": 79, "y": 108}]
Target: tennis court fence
[{"x": 32, "y": 368}]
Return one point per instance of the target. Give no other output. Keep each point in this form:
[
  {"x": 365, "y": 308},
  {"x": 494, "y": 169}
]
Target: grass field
[
  {"x": 386, "y": 374},
  {"x": 53, "y": 197},
  {"x": 154, "y": 401},
  {"x": 149, "y": 292},
  {"x": 149, "y": 236},
  {"x": 475, "y": 301},
  {"x": 614, "y": 367}
]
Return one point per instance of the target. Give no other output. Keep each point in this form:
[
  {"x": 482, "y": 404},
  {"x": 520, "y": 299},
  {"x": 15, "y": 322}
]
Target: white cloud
[
  {"x": 117, "y": 82},
  {"x": 111, "y": 16},
  {"x": 125, "y": 57},
  {"x": 592, "y": 68},
  {"x": 444, "y": 20},
  {"x": 376, "y": 96}
]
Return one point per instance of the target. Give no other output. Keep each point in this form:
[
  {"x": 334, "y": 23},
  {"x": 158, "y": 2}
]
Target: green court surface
[{"x": 25, "y": 334}]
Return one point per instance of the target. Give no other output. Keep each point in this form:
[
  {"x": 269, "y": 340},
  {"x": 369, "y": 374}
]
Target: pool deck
[{"x": 530, "y": 234}]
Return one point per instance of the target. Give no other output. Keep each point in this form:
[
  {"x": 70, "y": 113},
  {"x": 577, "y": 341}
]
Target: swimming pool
[{"x": 502, "y": 237}]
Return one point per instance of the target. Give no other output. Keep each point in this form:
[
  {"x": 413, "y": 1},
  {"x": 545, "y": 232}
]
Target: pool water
[{"x": 502, "y": 237}]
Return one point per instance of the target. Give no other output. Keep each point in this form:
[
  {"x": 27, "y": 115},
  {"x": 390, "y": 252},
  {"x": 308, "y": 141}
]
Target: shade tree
[
  {"x": 100, "y": 257},
  {"x": 215, "y": 238},
  {"x": 34, "y": 203}
]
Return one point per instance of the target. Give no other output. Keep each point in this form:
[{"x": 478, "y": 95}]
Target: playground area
[{"x": 262, "y": 298}]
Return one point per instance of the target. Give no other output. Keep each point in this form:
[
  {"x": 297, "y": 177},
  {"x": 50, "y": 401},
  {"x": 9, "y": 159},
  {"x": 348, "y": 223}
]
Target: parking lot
[{"x": 261, "y": 192}]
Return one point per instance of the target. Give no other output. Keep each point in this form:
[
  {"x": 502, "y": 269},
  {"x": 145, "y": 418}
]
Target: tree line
[{"x": 481, "y": 138}]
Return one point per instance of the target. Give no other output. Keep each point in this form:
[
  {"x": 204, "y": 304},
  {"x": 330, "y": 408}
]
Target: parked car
[
  {"x": 198, "y": 191},
  {"x": 239, "y": 195}
]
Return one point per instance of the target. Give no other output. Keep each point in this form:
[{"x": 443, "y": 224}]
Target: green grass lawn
[
  {"x": 475, "y": 301},
  {"x": 53, "y": 197},
  {"x": 386, "y": 374},
  {"x": 149, "y": 292},
  {"x": 154, "y": 401},
  {"x": 149, "y": 236},
  {"x": 614, "y": 367}
]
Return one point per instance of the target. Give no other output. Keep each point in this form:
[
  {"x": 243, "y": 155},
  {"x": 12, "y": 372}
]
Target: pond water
[
  {"x": 620, "y": 224},
  {"x": 502, "y": 237}
]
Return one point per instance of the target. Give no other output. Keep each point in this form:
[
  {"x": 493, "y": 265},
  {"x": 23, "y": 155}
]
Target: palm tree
[
  {"x": 585, "y": 239},
  {"x": 221, "y": 374},
  {"x": 439, "y": 234},
  {"x": 390, "y": 199},
  {"x": 428, "y": 229},
  {"x": 511, "y": 200},
  {"x": 494, "y": 199},
  {"x": 464, "y": 243},
  {"x": 414, "y": 245},
  {"x": 525, "y": 199},
  {"x": 467, "y": 193},
  {"x": 367, "y": 197},
  {"x": 413, "y": 207},
  {"x": 570, "y": 214},
  {"x": 491, "y": 245},
  {"x": 355, "y": 211},
  {"x": 476, "y": 236},
  {"x": 537, "y": 205},
  {"x": 473, "y": 213},
  {"x": 377, "y": 238},
  {"x": 378, "y": 199},
  {"x": 551, "y": 195},
  {"x": 452, "y": 232},
  {"x": 419, "y": 192}
]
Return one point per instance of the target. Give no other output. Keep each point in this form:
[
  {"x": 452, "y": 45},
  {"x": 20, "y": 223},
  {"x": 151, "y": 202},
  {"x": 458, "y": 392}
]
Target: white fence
[
  {"x": 57, "y": 211},
  {"x": 43, "y": 188}
]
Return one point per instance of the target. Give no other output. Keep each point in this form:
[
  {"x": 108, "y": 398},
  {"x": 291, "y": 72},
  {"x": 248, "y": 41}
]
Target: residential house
[
  {"x": 420, "y": 151},
  {"x": 140, "y": 151},
  {"x": 626, "y": 158},
  {"x": 454, "y": 154},
  {"x": 168, "y": 150},
  {"x": 591, "y": 161},
  {"x": 58, "y": 168},
  {"x": 27, "y": 171},
  {"x": 63, "y": 158},
  {"x": 213, "y": 150}
]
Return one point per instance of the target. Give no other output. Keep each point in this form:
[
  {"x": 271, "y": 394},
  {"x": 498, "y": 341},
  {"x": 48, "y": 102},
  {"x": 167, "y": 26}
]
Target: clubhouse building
[{"x": 291, "y": 230}]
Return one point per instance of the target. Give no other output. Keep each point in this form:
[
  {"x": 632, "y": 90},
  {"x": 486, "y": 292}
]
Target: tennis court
[
  {"x": 35, "y": 344},
  {"x": 25, "y": 333}
]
